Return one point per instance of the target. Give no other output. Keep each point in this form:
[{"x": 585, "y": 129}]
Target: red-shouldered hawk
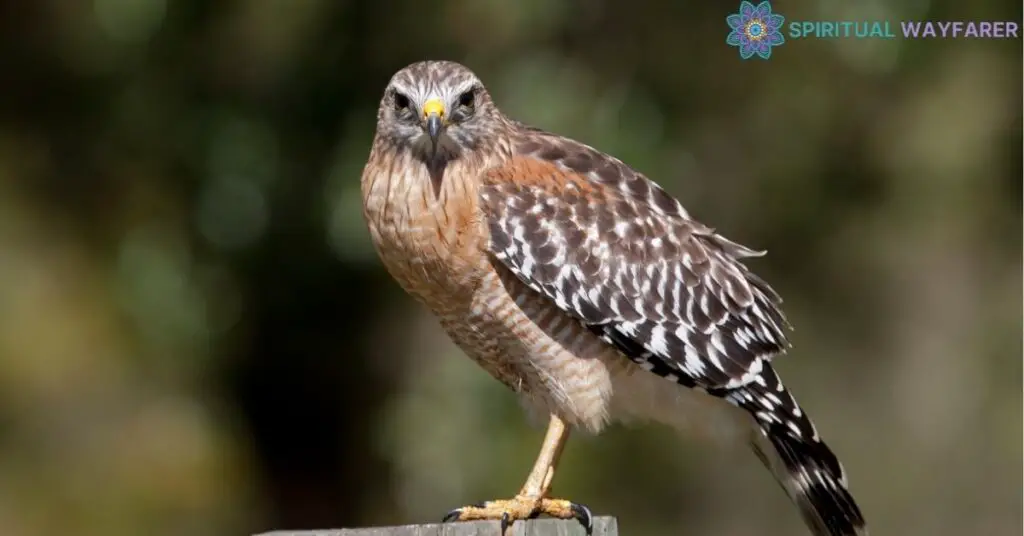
[{"x": 578, "y": 282}]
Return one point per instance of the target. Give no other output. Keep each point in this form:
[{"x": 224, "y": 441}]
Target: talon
[
  {"x": 583, "y": 515},
  {"x": 504, "y": 522},
  {"x": 452, "y": 515}
]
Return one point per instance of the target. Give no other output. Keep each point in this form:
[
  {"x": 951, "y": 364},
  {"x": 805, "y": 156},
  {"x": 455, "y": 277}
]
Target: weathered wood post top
[{"x": 603, "y": 526}]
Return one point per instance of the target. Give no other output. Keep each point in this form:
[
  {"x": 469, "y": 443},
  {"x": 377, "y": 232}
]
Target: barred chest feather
[{"x": 431, "y": 242}]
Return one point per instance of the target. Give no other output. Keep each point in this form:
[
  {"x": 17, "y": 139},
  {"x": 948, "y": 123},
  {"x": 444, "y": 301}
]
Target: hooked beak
[{"x": 433, "y": 117}]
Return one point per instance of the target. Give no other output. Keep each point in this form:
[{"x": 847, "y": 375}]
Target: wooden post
[{"x": 603, "y": 526}]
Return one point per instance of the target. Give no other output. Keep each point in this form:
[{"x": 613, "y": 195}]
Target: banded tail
[{"x": 800, "y": 461}]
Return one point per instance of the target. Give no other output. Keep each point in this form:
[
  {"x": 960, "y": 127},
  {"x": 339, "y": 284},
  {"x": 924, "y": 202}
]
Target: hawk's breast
[{"x": 431, "y": 242}]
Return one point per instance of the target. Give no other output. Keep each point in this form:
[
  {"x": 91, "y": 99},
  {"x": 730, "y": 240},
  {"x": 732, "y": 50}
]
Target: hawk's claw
[
  {"x": 455, "y": 514},
  {"x": 452, "y": 515},
  {"x": 582, "y": 514},
  {"x": 508, "y": 511}
]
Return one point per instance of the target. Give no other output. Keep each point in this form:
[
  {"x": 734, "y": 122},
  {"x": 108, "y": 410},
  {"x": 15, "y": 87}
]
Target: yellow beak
[{"x": 433, "y": 115}]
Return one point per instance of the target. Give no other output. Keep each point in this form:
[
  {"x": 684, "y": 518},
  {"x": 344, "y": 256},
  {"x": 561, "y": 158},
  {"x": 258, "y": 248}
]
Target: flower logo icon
[{"x": 755, "y": 30}]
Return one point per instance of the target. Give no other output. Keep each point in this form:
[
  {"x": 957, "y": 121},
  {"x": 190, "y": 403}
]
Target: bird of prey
[{"x": 583, "y": 286}]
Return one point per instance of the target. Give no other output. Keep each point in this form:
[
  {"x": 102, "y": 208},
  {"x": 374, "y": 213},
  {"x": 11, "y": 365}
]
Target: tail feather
[
  {"x": 807, "y": 476},
  {"x": 805, "y": 467}
]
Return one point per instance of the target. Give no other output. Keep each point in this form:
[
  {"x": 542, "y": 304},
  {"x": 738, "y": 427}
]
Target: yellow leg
[
  {"x": 538, "y": 482},
  {"x": 532, "y": 499}
]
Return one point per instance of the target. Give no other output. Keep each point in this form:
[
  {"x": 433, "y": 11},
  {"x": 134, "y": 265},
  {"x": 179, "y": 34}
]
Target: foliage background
[{"x": 195, "y": 337}]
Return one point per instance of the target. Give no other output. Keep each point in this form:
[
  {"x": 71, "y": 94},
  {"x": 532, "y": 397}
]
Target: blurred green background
[{"x": 196, "y": 337}]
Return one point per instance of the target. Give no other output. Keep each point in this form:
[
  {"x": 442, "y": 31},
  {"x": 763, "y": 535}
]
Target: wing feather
[
  {"x": 609, "y": 247},
  {"x": 615, "y": 251}
]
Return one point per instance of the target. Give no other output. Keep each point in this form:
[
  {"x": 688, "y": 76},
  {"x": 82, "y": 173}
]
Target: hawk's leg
[{"x": 532, "y": 500}]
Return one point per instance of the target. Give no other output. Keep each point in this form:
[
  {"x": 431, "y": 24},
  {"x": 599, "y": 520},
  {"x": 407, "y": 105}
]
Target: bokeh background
[{"x": 196, "y": 337}]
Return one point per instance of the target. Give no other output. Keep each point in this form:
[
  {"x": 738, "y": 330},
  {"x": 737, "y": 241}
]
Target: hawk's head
[{"x": 437, "y": 108}]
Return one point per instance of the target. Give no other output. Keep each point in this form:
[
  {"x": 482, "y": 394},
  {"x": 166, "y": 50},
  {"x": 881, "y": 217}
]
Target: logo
[{"x": 755, "y": 30}]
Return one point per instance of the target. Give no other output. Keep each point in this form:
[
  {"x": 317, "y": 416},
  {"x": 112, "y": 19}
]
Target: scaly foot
[{"x": 522, "y": 507}]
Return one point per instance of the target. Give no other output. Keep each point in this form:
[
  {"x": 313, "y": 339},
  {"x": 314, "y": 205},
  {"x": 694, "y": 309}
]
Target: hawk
[{"x": 583, "y": 286}]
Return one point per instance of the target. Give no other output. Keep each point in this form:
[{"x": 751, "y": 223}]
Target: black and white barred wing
[
  {"x": 616, "y": 252},
  {"x": 667, "y": 291}
]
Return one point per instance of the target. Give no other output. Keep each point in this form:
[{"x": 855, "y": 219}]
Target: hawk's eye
[
  {"x": 466, "y": 99},
  {"x": 401, "y": 101}
]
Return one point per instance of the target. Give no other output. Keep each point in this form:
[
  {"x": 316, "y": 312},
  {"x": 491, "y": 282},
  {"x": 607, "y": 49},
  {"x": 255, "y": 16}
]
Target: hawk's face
[{"x": 437, "y": 109}]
